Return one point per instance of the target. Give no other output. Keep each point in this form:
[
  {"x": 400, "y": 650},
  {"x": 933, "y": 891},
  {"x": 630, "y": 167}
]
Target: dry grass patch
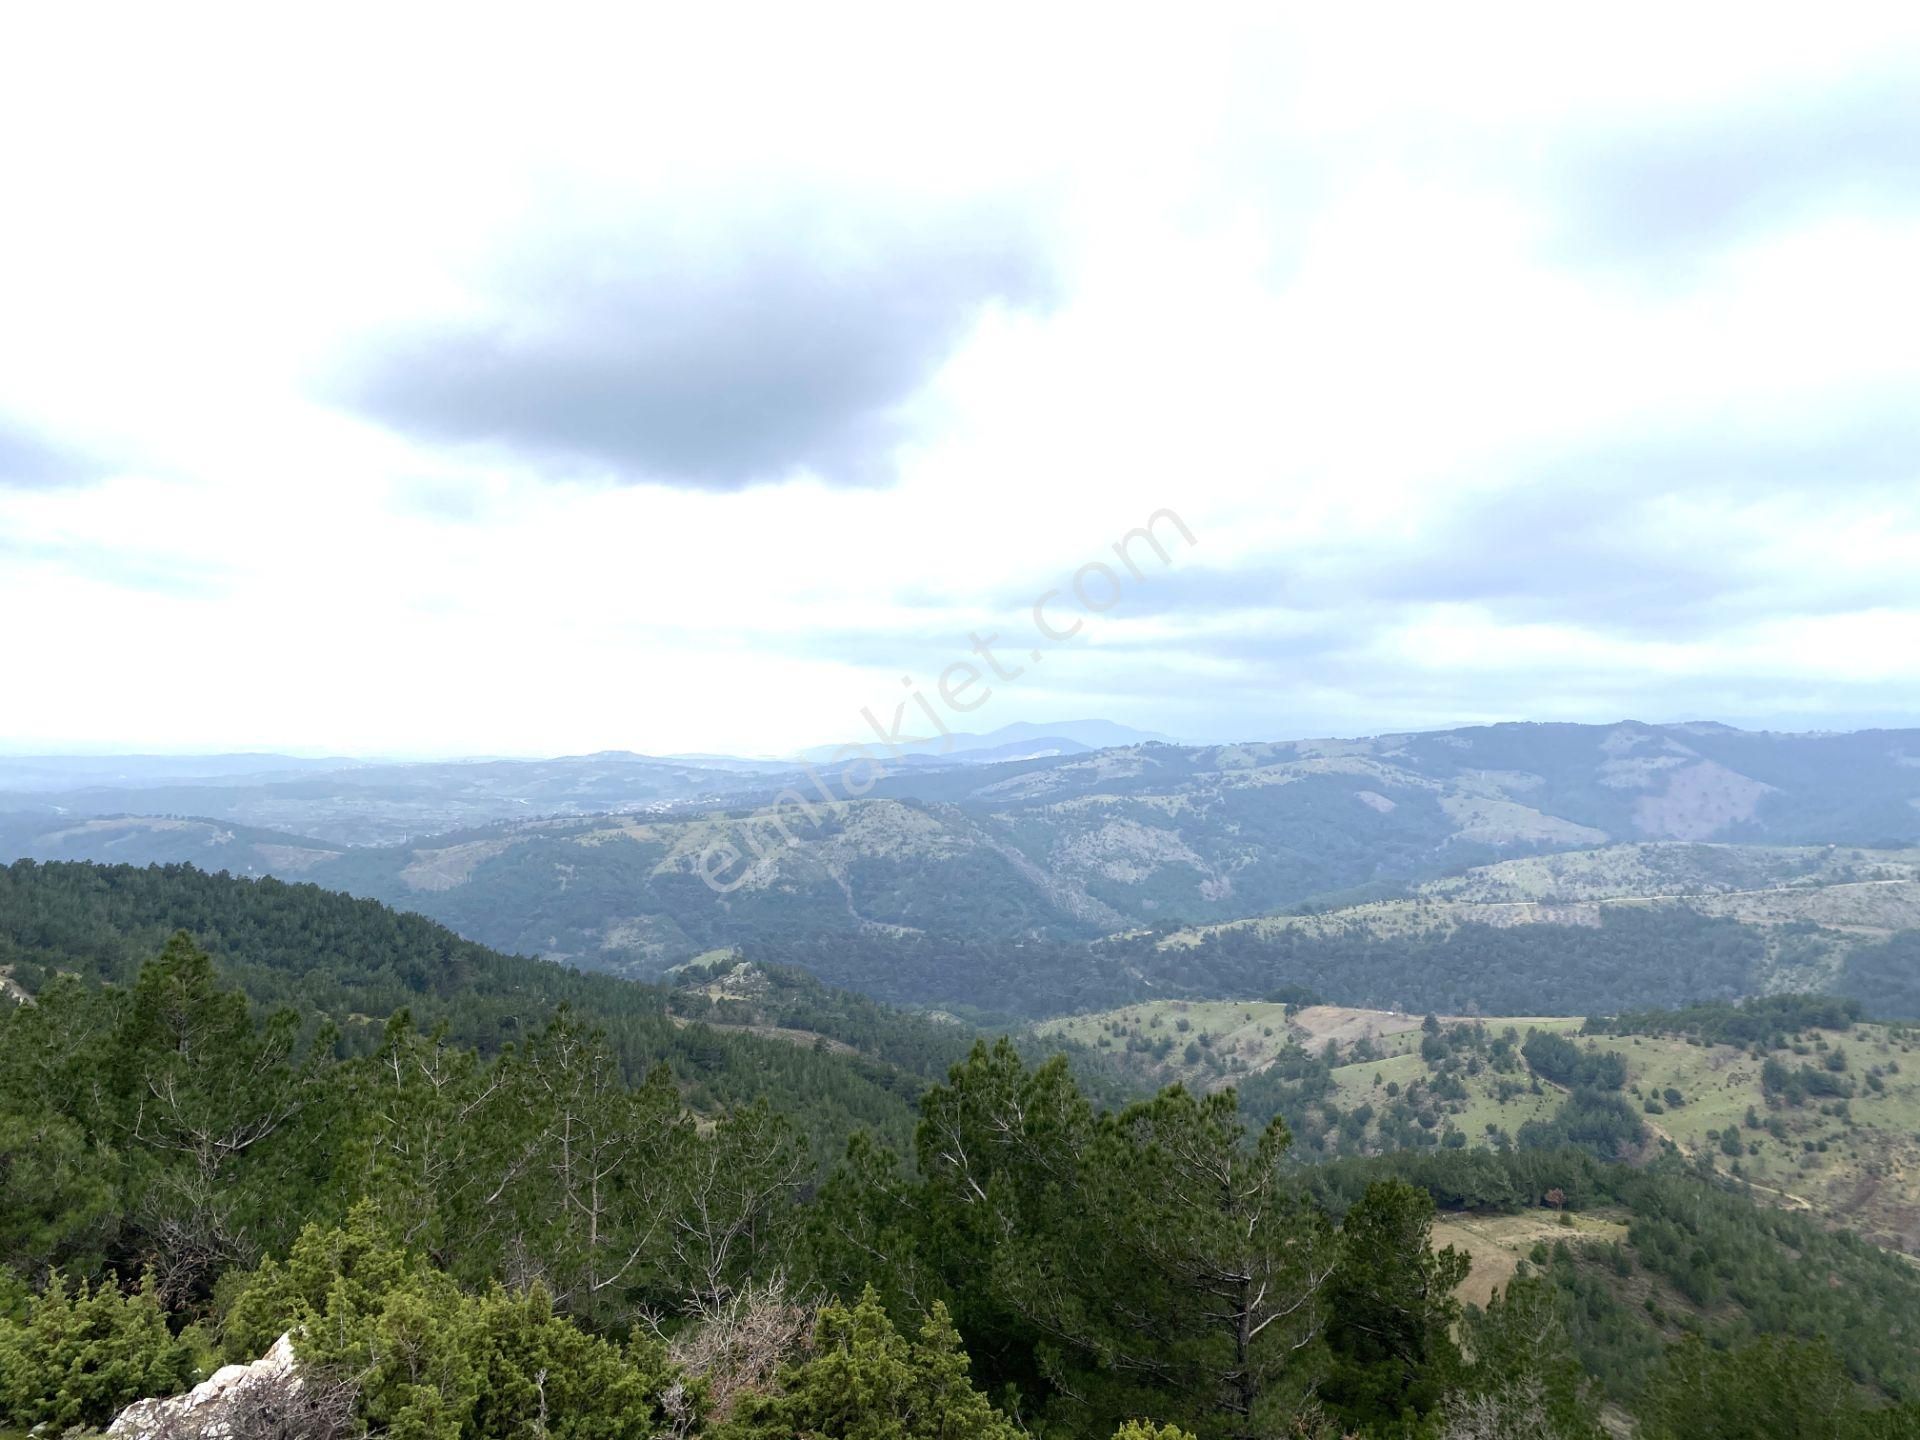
[{"x": 1497, "y": 1244}]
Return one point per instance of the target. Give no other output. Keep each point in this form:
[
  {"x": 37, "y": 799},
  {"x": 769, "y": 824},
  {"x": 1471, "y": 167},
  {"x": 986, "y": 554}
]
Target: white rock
[{"x": 203, "y": 1410}]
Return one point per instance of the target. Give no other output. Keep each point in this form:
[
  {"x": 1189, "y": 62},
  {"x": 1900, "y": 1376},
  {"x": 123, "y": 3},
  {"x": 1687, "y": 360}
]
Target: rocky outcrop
[{"x": 237, "y": 1402}]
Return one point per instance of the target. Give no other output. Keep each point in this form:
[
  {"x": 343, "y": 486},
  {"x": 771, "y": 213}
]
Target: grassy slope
[
  {"x": 1665, "y": 868},
  {"x": 1245, "y": 1036},
  {"x": 1868, "y": 1176},
  {"x": 1869, "y": 891},
  {"x": 1366, "y": 1083}
]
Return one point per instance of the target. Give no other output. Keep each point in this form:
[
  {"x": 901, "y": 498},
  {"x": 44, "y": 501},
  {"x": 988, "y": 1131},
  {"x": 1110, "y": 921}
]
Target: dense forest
[
  {"x": 1635, "y": 959},
  {"x": 569, "y": 1226},
  {"x": 1763, "y": 1020},
  {"x": 349, "y": 964}
]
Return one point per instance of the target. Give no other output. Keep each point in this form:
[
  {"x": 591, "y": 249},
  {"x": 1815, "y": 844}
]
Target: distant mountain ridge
[
  {"x": 367, "y": 803},
  {"x": 1021, "y": 740},
  {"x": 1065, "y": 846},
  {"x": 351, "y": 802},
  {"x": 21, "y": 774}
]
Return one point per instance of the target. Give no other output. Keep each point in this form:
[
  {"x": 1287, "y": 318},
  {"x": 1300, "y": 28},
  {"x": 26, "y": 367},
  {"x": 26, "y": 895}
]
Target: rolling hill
[
  {"x": 1067, "y": 848},
  {"x": 1864, "y": 892}
]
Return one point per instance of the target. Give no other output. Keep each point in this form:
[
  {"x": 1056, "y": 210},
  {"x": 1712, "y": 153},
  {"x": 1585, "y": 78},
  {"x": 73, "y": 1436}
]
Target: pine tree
[{"x": 1391, "y": 1306}]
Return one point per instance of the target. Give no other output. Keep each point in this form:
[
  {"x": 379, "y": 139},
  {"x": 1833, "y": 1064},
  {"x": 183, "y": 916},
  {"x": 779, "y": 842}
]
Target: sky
[{"x": 441, "y": 381}]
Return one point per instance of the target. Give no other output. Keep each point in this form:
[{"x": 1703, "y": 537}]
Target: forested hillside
[
  {"x": 238, "y": 1106},
  {"x": 334, "y": 961},
  {"x": 729, "y": 1031},
  {"x": 464, "y": 1246},
  {"x": 1629, "y": 959}
]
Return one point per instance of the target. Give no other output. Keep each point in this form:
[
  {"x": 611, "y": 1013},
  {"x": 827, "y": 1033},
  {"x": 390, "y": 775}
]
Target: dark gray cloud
[
  {"x": 639, "y": 356},
  {"x": 1667, "y": 198},
  {"x": 31, "y": 461}
]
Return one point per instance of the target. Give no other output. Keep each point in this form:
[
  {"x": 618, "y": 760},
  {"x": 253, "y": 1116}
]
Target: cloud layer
[
  {"x": 622, "y": 386},
  {"x": 1681, "y": 192}
]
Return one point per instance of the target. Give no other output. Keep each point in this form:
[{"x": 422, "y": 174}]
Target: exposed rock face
[{"x": 226, "y": 1405}]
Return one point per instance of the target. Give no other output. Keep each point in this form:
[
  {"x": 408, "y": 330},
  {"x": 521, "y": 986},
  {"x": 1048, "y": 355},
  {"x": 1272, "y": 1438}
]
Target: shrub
[
  {"x": 435, "y": 1363},
  {"x": 740, "y": 1346},
  {"x": 79, "y": 1359},
  {"x": 866, "y": 1381}
]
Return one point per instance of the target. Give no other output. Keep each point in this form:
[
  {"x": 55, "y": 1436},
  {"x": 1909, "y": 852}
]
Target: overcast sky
[{"x": 422, "y": 385}]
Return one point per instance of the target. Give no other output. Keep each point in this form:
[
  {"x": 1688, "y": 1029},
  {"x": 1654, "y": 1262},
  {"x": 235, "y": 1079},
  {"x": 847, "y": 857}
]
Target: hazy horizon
[{"x": 12, "y": 749}]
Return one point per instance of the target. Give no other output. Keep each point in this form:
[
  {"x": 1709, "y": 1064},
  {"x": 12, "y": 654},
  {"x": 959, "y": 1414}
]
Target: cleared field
[
  {"x": 1496, "y": 1244},
  {"x": 1234, "y": 1037}
]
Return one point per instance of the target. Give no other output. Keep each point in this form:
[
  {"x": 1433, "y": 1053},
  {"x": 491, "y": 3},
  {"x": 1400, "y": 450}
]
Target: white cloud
[{"x": 1313, "y": 292}]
